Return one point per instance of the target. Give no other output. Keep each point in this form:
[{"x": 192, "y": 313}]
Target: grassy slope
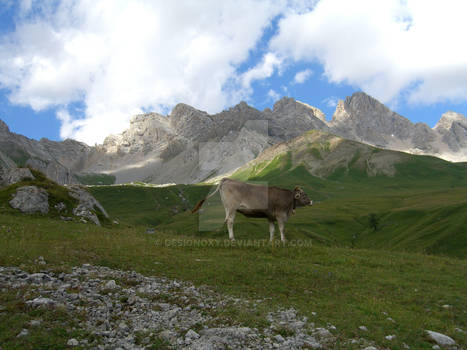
[
  {"x": 56, "y": 194},
  {"x": 421, "y": 209},
  {"x": 345, "y": 287}
]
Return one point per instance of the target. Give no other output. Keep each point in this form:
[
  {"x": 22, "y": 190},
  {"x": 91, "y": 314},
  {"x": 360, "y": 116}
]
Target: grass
[
  {"x": 95, "y": 179},
  {"x": 344, "y": 287}
]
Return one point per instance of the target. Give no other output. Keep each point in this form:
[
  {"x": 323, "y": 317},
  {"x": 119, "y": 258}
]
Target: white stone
[
  {"x": 24, "y": 332},
  {"x": 440, "y": 339},
  {"x": 110, "y": 285},
  {"x": 279, "y": 338},
  {"x": 191, "y": 334},
  {"x": 72, "y": 342}
]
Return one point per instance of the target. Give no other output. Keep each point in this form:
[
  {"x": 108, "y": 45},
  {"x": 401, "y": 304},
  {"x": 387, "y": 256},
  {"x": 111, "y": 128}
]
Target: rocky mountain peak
[
  {"x": 284, "y": 105},
  {"x": 361, "y": 102},
  {"x": 448, "y": 118},
  {"x": 290, "y": 106},
  {"x": 316, "y": 111},
  {"x": 340, "y": 114}
]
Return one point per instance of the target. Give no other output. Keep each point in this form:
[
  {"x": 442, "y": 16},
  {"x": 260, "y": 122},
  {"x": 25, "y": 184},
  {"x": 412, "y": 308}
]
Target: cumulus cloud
[
  {"x": 331, "y": 102},
  {"x": 273, "y": 95},
  {"x": 119, "y": 58},
  {"x": 383, "y": 47},
  {"x": 302, "y": 76},
  {"x": 265, "y": 69},
  {"x": 123, "y": 57}
]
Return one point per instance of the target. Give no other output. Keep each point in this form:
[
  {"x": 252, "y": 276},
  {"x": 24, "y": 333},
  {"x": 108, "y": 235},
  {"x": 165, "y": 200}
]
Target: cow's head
[{"x": 301, "y": 198}]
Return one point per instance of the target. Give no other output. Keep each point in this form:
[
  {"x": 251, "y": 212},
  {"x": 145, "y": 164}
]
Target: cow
[{"x": 257, "y": 201}]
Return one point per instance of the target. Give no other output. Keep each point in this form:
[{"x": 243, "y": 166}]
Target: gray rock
[
  {"x": 440, "y": 339},
  {"x": 24, "y": 333},
  {"x": 35, "y": 323},
  {"x": 15, "y": 175},
  {"x": 41, "y": 302},
  {"x": 31, "y": 199},
  {"x": 72, "y": 342},
  {"x": 87, "y": 204},
  {"x": 279, "y": 338},
  {"x": 191, "y": 334},
  {"x": 111, "y": 285},
  {"x": 60, "y": 207}
]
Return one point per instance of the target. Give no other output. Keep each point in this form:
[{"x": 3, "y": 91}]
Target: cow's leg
[
  {"x": 229, "y": 218},
  {"x": 271, "y": 230},
  {"x": 281, "y": 223}
]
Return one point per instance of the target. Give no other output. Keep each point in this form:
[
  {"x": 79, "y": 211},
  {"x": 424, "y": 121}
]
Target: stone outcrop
[
  {"x": 34, "y": 199},
  {"x": 15, "y": 175},
  {"x": 31, "y": 199},
  {"x": 87, "y": 204}
]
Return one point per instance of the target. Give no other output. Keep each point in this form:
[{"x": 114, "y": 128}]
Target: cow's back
[{"x": 249, "y": 196}]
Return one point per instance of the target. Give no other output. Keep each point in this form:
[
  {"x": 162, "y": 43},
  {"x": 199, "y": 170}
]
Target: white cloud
[
  {"x": 302, "y": 76},
  {"x": 262, "y": 70},
  {"x": 384, "y": 47},
  {"x": 331, "y": 102},
  {"x": 273, "y": 95},
  {"x": 122, "y": 57}
]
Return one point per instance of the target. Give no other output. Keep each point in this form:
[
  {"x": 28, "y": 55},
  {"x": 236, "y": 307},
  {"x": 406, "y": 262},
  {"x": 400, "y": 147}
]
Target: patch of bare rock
[{"x": 126, "y": 310}]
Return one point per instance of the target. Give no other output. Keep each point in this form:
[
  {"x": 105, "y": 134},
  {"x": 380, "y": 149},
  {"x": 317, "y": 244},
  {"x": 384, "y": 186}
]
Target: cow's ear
[
  {"x": 297, "y": 195},
  {"x": 297, "y": 188}
]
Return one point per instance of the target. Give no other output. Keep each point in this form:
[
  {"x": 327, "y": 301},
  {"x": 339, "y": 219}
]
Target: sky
[{"x": 80, "y": 69}]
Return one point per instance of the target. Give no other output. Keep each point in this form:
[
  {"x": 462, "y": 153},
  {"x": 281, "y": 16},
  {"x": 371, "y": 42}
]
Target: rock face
[
  {"x": 362, "y": 118},
  {"x": 15, "y": 175},
  {"x": 57, "y": 160},
  {"x": 189, "y": 145},
  {"x": 31, "y": 199}
]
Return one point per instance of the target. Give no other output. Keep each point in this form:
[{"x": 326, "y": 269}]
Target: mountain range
[{"x": 189, "y": 145}]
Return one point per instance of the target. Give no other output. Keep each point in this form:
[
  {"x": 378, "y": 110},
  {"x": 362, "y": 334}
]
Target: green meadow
[{"x": 383, "y": 252}]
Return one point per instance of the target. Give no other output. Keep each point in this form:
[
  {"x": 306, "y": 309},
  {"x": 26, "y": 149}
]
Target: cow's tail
[{"x": 200, "y": 203}]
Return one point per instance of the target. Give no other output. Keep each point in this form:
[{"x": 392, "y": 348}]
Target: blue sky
[{"x": 80, "y": 69}]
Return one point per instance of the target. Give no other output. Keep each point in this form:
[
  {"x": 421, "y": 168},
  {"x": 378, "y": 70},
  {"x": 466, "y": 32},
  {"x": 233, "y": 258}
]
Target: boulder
[
  {"x": 87, "y": 204},
  {"x": 15, "y": 175},
  {"x": 440, "y": 339},
  {"x": 31, "y": 199}
]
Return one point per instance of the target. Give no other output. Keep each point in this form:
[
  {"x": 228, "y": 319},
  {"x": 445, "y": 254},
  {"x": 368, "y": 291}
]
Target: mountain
[
  {"x": 57, "y": 160},
  {"x": 189, "y": 145},
  {"x": 362, "y": 118}
]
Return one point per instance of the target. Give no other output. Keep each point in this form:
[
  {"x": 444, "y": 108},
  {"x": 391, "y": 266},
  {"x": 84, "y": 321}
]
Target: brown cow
[{"x": 273, "y": 203}]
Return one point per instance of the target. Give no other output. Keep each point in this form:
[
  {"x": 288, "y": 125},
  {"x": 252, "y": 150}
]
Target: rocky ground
[{"x": 126, "y": 310}]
